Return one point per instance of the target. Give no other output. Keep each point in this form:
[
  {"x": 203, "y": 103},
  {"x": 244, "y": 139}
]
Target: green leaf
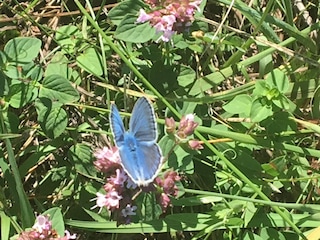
[
  {"x": 22, "y": 49},
  {"x": 251, "y": 236},
  {"x": 126, "y": 7},
  {"x": 240, "y": 104},
  {"x": 261, "y": 88},
  {"x": 56, "y": 87},
  {"x": 260, "y": 111},
  {"x": 21, "y": 94},
  {"x": 81, "y": 155},
  {"x": 167, "y": 143},
  {"x": 130, "y": 31},
  {"x": 58, "y": 66},
  {"x": 282, "y": 102},
  {"x": 272, "y": 234},
  {"x": 147, "y": 204},
  {"x": 279, "y": 80},
  {"x": 91, "y": 61},
  {"x": 68, "y": 37},
  {"x": 186, "y": 76},
  {"x": 11, "y": 122},
  {"x": 52, "y": 117},
  {"x": 181, "y": 160},
  {"x": 56, "y": 218},
  {"x": 210, "y": 80}
]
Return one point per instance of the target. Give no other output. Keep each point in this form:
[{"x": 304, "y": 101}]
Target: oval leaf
[
  {"x": 56, "y": 87},
  {"x": 52, "y": 117},
  {"x": 91, "y": 61},
  {"x": 130, "y": 31},
  {"x": 22, "y": 49}
]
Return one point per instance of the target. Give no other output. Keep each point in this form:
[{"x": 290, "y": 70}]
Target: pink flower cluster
[
  {"x": 186, "y": 128},
  {"x": 120, "y": 189},
  {"x": 169, "y": 188},
  {"x": 168, "y": 16},
  {"x": 42, "y": 230}
]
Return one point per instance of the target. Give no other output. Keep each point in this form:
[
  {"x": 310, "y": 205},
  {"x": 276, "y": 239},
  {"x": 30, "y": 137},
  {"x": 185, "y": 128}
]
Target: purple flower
[
  {"x": 42, "y": 229},
  {"x": 143, "y": 16},
  {"x": 120, "y": 178},
  {"x": 108, "y": 158},
  {"x": 128, "y": 211},
  {"x": 169, "y": 17}
]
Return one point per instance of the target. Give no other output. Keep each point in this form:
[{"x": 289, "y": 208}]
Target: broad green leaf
[
  {"x": 126, "y": 7},
  {"x": 187, "y": 76},
  {"x": 81, "y": 155},
  {"x": 240, "y": 104},
  {"x": 131, "y": 31},
  {"x": 181, "y": 160},
  {"x": 3, "y": 59},
  {"x": 248, "y": 213},
  {"x": 259, "y": 111},
  {"x": 167, "y": 143},
  {"x": 278, "y": 79},
  {"x": 148, "y": 206},
  {"x": 282, "y": 102},
  {"x": 251, "y": 236},
  {"x": 56, "y": 87},
  {"x": 22, "y": 49},
  {"x": 68, "y": 37},
  {"x": 210, "y": 81},
  {"x": 261, "y": 88},
  {"x": 56, "y": 218},
  {"x": 21, "y": 94},
  {"x": 272, "y": 234},
  {"x": 58, "y": 66},
  {"x": 91, "y": 61},
  {"x": 52, "y": 117}
]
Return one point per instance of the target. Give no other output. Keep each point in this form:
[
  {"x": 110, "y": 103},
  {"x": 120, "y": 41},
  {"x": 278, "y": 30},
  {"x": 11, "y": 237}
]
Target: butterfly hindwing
[
  {"x": 142, "y": 123},
  {"x": 140, "y": 160}
]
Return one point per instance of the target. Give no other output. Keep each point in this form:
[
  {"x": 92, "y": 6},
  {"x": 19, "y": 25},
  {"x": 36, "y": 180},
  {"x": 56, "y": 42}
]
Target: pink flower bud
[
  {"x": 195, "y": 144},
  {"x": 187, "y": 126},
  {"x": 170, "y": 125}
]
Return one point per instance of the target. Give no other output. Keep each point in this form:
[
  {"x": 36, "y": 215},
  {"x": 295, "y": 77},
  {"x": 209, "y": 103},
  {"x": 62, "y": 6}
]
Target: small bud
[
  {"x": 170, "y": 125},
  {"x": 187, "y": 126},
  {"x": 195, "y": 144}
]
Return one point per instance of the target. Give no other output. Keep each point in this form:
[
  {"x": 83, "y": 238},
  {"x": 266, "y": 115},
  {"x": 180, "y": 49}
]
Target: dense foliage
[{"x": 235, "y": 89}]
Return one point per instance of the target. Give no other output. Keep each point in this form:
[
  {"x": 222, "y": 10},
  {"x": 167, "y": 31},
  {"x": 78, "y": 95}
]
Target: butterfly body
[{"x": 140, "y": 155}]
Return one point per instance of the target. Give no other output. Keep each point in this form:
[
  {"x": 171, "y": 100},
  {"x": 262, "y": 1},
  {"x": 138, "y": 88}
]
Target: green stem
[{"x": 310, "y": 208}]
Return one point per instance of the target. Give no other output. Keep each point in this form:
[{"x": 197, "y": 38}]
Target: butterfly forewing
[
  {"x": 142, "y": 123},
  {"x": 116, "y": 125}
]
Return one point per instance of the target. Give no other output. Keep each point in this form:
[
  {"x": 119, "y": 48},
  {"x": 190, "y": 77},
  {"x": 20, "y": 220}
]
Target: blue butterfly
[{"x": 140, "y": 155}]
